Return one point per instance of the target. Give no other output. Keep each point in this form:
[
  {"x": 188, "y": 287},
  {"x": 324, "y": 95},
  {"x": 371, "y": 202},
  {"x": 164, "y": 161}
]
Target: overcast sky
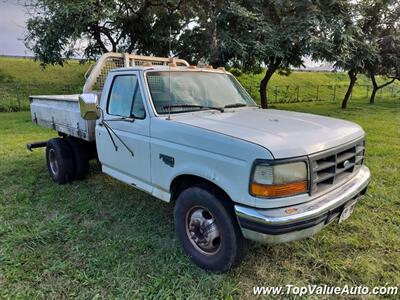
[{"x": 12, "y": 28}]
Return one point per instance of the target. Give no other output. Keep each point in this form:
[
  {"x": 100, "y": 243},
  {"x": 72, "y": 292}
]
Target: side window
[{"x": 125, "y": 99}]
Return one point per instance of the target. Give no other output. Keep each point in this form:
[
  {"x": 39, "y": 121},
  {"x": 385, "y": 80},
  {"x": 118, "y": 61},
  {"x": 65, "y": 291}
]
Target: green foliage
[
  {"x": 201, "y": 41},
  {"x": 236, "y": 72},
  {"x": 382, "y": 26},
  {"x": 277, "y": 34},
  {"x": 57, "y": 30},
  {"x": 357, "y": 36}
]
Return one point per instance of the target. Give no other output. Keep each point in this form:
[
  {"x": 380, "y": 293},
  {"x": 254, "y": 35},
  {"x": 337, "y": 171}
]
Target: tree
[
  {"x": 383, "y": 30},
  {"x": 56, "y": 27},
  {"x": 354, "y": 45},
  {"x": 342, "y": 43},
  {"x": 170, "y": 19},
  {"x": 386, "y": 64},
  {"x": 202, "y": 40},
  {"x": 353, "y": 57},
  {"x": 273, "y": 33}
]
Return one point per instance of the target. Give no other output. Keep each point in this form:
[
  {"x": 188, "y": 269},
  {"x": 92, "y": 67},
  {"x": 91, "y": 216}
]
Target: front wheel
[{"x": 207, "y": 229}]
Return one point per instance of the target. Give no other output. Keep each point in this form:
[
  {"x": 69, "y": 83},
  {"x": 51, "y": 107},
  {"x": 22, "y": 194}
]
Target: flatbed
[{"x": 62, "y": 113}]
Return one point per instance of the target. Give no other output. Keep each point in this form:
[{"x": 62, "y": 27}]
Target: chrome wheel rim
[
  {"x": 202, "y": 230},
  {"x": 53, "y": 161}
]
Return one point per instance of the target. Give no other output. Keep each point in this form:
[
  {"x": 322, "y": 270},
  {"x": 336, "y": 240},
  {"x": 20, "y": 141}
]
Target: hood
[{"x": 284, "y": 133}]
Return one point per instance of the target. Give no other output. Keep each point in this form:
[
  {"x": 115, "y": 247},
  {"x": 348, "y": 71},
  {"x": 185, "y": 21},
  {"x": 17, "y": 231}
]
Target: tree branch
[
  {"x": 96, "y": 33},
  {"x": 386, "y": 83}
]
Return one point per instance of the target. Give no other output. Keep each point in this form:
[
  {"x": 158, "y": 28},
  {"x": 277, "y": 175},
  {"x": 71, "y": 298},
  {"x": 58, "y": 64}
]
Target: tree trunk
[
  {"x": 353, "y": 78},
  {"x": 373, "y": 94},
  {"x": 376, "y": 87},
  {"x": 264, "y": 83},
  {"x": 95, "y": 31}
]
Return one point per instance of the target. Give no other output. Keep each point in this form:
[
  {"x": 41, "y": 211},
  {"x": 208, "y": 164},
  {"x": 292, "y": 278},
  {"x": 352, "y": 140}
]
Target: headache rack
[
  {"x": 97, "y": 74},
  {"x": 62, "y": 112},
  {"x": 330, "y": 168}
]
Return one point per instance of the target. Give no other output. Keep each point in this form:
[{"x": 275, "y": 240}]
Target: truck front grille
[{"x": 331, "y": 167}]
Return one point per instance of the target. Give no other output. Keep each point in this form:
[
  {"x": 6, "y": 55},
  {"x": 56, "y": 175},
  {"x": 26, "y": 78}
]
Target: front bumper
[{"x": 278, "y": 225}]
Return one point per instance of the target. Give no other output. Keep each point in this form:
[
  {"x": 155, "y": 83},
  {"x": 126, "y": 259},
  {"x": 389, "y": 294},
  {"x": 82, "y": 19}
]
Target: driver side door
[{"x": 123, "y": 138}]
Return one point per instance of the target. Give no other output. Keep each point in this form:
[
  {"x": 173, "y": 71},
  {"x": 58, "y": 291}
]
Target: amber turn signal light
[{"x": 279, "y": 190}]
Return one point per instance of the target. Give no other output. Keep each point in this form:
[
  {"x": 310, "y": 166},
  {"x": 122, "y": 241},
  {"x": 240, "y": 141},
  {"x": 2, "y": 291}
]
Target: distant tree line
[{"x": 357, "y": 36}]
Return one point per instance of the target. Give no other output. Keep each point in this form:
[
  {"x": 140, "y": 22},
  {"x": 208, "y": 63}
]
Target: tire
[
  {"x": 207, "y": 228},
  {"x": 60, "y": 161},
  {"x": 81, "y": 157}
]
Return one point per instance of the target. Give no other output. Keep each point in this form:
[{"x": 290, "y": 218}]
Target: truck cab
[{"x": 194, "y": 137}]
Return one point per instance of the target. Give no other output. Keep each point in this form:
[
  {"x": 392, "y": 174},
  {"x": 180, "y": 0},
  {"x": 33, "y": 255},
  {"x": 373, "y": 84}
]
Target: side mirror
[{"x": 88, "y": 106}]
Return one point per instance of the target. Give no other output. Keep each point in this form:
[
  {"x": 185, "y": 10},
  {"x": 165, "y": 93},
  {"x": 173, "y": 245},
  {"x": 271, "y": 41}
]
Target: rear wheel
[
  {"x": 207, "y": 228},
  {"x": 59, "y": 160},
  {"x": 81, "y": 157}
]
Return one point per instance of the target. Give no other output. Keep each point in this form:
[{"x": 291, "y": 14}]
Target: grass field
[
  {"x": 20, "y": 78},
  {"x": 100, "y": 239},
  {"x": 315, "y": 86}
]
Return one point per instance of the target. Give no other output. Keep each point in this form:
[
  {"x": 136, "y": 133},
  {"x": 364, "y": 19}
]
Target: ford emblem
[{"x": 346, "y": 163}]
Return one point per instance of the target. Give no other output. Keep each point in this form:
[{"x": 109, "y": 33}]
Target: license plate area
[{"x": 347, "y": 210}]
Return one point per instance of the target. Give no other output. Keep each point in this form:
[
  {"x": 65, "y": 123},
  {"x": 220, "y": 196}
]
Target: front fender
[{"x": 220, "y": 159}]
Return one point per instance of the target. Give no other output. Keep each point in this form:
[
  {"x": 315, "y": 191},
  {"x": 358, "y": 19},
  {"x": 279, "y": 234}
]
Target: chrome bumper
[{"x": 296, "y": 222}]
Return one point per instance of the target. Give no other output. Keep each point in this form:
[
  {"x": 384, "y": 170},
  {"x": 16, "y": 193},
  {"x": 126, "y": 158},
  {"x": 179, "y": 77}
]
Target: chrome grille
[{"x": 331, "y": 167}]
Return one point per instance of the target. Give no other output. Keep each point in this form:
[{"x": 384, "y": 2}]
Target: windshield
[{"x": 179, "y": 91}]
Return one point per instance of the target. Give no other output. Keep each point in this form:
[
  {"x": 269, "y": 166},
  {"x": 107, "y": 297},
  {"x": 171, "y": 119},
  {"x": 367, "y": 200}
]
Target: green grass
[
  {"x": 100, "y": 239},
  {"x": 21, "y": 77},
  {"x": 26, "y": 70}
]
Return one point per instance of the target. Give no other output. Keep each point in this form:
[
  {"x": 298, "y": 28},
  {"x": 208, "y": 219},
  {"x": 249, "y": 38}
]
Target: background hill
[{"x": 21, "y": 77}]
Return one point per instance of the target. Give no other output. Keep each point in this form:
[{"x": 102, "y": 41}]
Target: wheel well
[{"x": 182, "y": 182}]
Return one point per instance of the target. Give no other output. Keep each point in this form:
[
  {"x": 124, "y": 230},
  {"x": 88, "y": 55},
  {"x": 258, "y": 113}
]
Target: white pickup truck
[{"x": 192, "y": 136}]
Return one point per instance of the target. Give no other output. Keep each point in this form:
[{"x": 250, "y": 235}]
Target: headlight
[{"x": 279, "y": 180}]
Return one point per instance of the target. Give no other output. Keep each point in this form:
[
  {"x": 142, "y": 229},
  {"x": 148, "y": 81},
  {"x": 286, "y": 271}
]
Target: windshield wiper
[
  {"x": 221, "y": 109},
  {"x": 235, "y": 105}
]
